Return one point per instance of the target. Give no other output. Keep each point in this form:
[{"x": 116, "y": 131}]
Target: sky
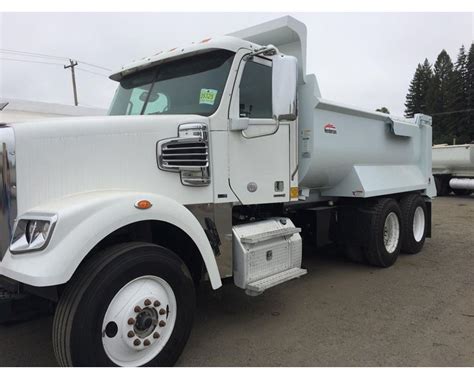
[{"x": 363, "y": 59}]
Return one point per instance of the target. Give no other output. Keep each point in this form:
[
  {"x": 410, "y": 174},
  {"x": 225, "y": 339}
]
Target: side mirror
[{"x": 284, "y": 82}]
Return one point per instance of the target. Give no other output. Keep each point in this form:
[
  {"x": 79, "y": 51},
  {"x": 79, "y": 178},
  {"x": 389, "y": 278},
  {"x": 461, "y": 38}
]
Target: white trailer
[
  {"x": 219, "y": 159},
  {"x": 453, "y": 169}
]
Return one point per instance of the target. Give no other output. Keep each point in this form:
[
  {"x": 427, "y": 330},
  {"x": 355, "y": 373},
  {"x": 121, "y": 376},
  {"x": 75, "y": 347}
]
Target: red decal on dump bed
[{"x": 330, "y": 128}]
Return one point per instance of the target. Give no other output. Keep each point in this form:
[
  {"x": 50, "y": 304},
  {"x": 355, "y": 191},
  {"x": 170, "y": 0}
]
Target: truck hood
[{"x": 60, "y": 157}]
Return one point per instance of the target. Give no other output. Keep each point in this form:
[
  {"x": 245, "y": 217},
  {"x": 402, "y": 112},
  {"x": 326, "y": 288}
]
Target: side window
[{"x": 256, "y": 91}]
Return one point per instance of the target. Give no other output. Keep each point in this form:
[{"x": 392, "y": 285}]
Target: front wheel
[{"x": 130, "y": 305}]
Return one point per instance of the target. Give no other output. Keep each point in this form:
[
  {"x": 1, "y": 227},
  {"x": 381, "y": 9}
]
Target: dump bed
[
  {"x": 456, "y": 160},
  {"x": 349, "y": 152}
]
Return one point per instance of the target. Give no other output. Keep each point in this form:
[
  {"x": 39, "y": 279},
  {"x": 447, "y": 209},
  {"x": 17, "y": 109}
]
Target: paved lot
[{"x": 418, "y": 313}]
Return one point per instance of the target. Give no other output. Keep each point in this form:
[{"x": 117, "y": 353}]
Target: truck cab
[{"x": 218, "y": 159}]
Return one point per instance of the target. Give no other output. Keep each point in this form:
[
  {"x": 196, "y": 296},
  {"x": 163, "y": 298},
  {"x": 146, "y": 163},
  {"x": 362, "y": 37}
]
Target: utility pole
[{"x": 72, "y": 64}]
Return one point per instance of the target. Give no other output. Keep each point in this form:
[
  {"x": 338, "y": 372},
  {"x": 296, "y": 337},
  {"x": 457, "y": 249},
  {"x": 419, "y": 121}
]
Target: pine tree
[
  {"x": 470, "y": 92},
  {"x": 418, "y": 90},
  {"x": 438, "y": 98},
  {"x": 458, "y": 121}
]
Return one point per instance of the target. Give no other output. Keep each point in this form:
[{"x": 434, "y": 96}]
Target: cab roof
[
  {"x": 224, "y": 43},
  {"x": 286, "y": 33}
]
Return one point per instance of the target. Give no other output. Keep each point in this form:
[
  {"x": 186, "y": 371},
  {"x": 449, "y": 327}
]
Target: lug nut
[
  {"x": 156, "y": 335},
  {"x": 147, "y": 302},
  {"x": 162, "y": 311},
  {"x": 162, "y": 323},
  {"x": 137, "y": 342},
  {"x": 137, "y": 309},
  {"x": 146, "y": 343},
  {"x": 130, "y": 334},
  {"x": 156, "y": 303},
  {"x": 131, "y": 321}
]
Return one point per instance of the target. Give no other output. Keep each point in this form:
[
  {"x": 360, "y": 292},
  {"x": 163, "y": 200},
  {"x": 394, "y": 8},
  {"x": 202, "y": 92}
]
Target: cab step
[{"x": 257, "y": 287}]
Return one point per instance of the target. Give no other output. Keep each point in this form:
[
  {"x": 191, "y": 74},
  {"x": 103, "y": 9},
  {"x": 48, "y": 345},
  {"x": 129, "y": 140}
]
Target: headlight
[{"x": 32, "y": 233}]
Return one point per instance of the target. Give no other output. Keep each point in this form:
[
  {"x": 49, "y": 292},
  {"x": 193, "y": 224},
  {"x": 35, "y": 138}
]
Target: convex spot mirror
[{"x": 284, "y": 82}]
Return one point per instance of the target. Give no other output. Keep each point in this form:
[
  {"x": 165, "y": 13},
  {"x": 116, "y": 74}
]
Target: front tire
[{"x": 130, "y": 305}]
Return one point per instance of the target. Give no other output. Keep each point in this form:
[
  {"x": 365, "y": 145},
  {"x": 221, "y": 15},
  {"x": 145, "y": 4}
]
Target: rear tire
[
  {"x": 385, "y": 233},
  {"x": 461, "y": 192},
  {"x": 414, "y": 215},
  {"x": 165, "y": 296}
]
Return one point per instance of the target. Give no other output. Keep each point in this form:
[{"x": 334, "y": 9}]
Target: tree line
[{"x": 445, "y": 91}]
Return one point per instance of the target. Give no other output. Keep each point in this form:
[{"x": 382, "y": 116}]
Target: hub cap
[
  {"x": 391, "y": 232},
  {"x": 139, "y": 321},
  {"x": 418, "y": 224}
]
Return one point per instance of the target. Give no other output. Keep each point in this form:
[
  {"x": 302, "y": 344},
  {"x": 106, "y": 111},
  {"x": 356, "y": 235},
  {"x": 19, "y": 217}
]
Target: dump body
[
  {"x": 348, "y": 152},
  {"x": 456, "y": 160}
]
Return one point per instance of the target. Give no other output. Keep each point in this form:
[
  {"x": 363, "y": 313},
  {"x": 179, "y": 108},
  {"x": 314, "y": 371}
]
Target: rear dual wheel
[
  {"x": 392, "y": 228},
  {"x": 382, "y": 228},
  {"x": 415, "y": 220}
]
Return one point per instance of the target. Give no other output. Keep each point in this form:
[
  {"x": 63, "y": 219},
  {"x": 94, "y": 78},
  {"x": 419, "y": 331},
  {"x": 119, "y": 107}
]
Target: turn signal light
[{"x": 143, "y": 204}]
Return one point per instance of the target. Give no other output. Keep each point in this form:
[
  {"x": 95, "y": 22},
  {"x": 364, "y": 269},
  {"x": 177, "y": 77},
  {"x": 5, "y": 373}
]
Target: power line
[
  {"x": 18, "y": 52},
  {"x": 29, "y": 61},
  {"x": 51, "y": 63},
  {"x": 30, "y": 54},
  {"x": 92, "y": 72},
  {"x": 461, "y": 111}
]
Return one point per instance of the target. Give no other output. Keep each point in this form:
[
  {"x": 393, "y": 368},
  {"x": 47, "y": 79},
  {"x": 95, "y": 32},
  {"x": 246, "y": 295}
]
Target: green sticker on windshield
[{"x": 207, "y": 96}]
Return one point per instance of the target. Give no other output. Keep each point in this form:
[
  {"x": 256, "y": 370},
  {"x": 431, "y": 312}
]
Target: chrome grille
[
  {"x": 182, "y": 154},
  {"x": 187, "y": 154},
  {"x": 8, "y": 202}
]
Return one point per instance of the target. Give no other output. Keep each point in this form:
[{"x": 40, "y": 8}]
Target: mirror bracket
[{"x": 237, "y": 124}]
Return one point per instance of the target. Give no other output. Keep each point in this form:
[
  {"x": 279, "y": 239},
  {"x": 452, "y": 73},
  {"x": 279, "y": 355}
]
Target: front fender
[{"x": 86, "y": 219}]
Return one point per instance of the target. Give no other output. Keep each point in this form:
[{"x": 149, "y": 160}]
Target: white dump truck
[
  {"x": 218, "y": 159},
  {"x": 453, "y": 169}
]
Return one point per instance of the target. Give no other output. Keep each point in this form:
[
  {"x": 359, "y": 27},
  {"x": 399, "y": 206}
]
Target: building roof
[{"x": 52, "y": 109}]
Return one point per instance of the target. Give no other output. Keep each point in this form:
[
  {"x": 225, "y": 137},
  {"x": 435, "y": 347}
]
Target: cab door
[{"x": 259, "y": 149}]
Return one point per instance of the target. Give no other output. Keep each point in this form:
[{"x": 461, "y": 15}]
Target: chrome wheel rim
[
  {"x": 418, "y": 224},
  {"x": 139, "y": 321},
  {"x": 391, "y": 232}
]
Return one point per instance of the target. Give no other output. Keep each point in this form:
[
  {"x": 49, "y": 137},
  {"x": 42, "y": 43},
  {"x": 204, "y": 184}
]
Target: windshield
[{"x": 191, "y": 85}]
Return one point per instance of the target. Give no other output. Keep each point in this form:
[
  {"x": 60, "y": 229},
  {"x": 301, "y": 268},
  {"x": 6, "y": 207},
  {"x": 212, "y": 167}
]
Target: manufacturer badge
[{"x": 330, "y": 129}]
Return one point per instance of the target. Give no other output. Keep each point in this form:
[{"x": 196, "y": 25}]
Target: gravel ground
[{"x": 419, "y": 312}]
